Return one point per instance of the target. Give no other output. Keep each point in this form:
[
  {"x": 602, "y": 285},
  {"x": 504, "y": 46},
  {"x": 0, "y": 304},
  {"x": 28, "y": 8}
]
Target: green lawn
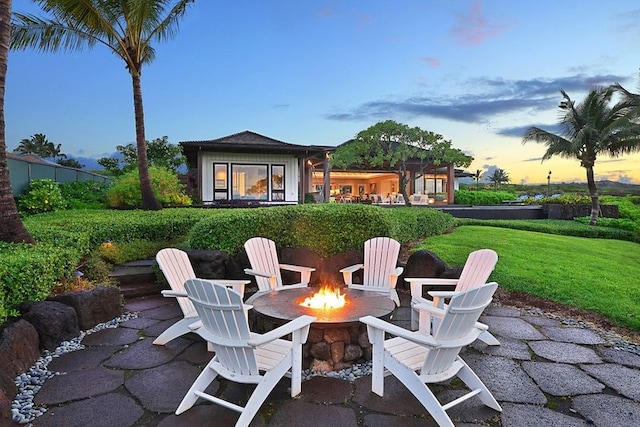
[{"x": 600, "y": 275}]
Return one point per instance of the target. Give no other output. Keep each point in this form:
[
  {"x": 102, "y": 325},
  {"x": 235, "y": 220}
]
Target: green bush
[
  {"x": 168, "y": 189},
  {"x": 482, "y": 197},
  {"x": 566, "y": 199},
  {"x": 28, "y": 272},
  {"x": 326, "y": 229},
  {"x": 42, "y": 195},
  {"x": 85, "y": 194}
]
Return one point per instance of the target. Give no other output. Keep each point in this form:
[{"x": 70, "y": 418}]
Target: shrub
[
  {"x": 42, "y": 195},
  {"x": 29, "y": 272},
  {"x": 85, "y": 194},
  {"x": 326, "y": 229},
  {"x": 566, "y": 199},
  {"x": 482, "y": 197},
  {"x": 169, "y": 191}
]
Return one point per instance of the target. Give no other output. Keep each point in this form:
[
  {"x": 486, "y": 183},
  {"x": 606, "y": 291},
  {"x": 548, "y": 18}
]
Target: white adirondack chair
[
  {"x": 418, "y": 359},
  {"x": 177, "y": 269},
  {"x": 240, "y": 355},
  {"x": 476, "y": 272},
  {"x": 380, "y": 273},
  {"x": 266, "y": 267}
]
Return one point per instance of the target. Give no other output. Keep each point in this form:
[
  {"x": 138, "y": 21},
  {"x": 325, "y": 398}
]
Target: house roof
[
  {"x": 248, "y": 141},
  {"x": 31, "y": 158}
]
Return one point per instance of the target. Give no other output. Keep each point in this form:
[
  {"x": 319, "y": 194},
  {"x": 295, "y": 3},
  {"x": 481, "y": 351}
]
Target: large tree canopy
[
  {"x": 592, "y": 127},
  {"x": 126, "y": 27},
  {"x": 160, "y": 153},
  {"x": 391, "y": 145}
]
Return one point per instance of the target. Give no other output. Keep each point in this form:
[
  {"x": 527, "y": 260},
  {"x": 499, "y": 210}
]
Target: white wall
[{"x": 291, "y": 172}]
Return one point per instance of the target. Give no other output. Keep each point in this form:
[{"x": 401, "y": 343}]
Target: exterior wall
[
  {"x": 21, "y": 173},
  {"x": 291, "y": 174}
]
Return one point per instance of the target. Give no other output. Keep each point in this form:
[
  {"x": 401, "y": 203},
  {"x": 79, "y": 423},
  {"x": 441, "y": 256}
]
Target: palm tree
[
  {"x": 11, "y": 227},
  {"x": 590, "y": 128},
  {"x": 39, "y": 145},
  {"x": 477, "y": 177},
  {"x": 125, "y": 27},
  {"x": 498, "y": 177}
]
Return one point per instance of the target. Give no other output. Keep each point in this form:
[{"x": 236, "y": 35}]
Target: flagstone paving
[{"x": 544, "y": 373}]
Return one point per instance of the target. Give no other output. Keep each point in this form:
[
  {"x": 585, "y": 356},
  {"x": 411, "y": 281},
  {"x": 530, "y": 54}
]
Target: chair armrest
[
  {"x": 352, "y": 268},
  {"x": 397, "y": 331},
  {"x": 298, "y": 268},
  {"x": 347, "y": 273},
  {"x": 417, "y": 283},
  {"x": 173, "y": 294},
  {"x": 439, "y": 296},
  {"x": 257, "y": 273},
  {"x": 284, "y": 330},
  {"x": 393, "y": 279},
  {"x": 305, "y": 272}
]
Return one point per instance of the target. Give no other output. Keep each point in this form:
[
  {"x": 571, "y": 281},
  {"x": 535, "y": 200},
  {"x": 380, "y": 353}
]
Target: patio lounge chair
[
  {"x": 475, "y": 272},
  {"x": 380, "y": 271},
  {"x": 266, "y": 267},
  {"x": 241, "y": 355},
  {"x": 177, "y": 269},
  {"x": 421, "y": 358}
]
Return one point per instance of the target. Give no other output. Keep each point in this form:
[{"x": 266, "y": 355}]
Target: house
[{"x": 252, "y": 167}]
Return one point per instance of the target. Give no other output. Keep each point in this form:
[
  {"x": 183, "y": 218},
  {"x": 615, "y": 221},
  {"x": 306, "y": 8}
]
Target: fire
[{"x": 326, "y": 298}]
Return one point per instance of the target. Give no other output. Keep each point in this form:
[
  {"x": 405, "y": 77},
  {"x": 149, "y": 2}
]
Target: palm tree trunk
[
  {"x": 11, "y": 226},
  {"x": 595, "y": 199},
  {"x": 149, "y": 201}
]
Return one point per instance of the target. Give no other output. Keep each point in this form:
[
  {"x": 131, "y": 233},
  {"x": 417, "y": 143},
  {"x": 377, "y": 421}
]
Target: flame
[{"x": 326, "y": 298}]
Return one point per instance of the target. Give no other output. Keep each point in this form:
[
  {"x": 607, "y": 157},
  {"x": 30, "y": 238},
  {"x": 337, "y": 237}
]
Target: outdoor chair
[
  {"x": 380, "y": 271},
  {"x": 242, "y": 356},
  {"x": 265, "y": 266},
  {"x": 476, "y": 272},
  {"x": 424, "y": 357},
  {"x": 177, "y": 269}
]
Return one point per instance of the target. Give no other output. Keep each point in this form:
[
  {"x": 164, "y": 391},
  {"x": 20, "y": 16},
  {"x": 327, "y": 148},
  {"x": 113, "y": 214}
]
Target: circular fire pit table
[{"x": 336, "y": 339}]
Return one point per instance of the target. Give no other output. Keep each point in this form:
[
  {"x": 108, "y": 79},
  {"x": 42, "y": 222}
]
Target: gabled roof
[
  {"x": 30, "y": 158},
  {"x": 248, "y": 141}
]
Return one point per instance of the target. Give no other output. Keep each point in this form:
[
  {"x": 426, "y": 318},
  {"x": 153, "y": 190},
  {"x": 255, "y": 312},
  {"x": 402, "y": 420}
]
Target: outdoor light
[{"x": 548, "y": 183}]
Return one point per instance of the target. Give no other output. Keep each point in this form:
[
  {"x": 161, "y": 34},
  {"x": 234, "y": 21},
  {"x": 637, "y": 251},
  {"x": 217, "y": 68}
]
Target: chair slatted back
[
  {"x": 460, "y": 317},
  {"x": 177, "y": 269},
  {"x": 223, "y": 316},
  {"x": 477, "y": 269},
  {"x": 380, "y": 259},
  {"x": 263, "y": 257}
]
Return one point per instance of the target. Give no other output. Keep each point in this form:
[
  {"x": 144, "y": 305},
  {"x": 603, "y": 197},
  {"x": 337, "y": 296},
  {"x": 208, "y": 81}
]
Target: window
[
  {"x": 249, "y": 182},
  {"x": 277, "y": 182},
  {"x": 220, "y": 181}
]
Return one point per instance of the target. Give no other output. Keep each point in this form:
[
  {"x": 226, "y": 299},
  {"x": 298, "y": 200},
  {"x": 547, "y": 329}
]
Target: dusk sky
[{"x": 318, "y": 72}]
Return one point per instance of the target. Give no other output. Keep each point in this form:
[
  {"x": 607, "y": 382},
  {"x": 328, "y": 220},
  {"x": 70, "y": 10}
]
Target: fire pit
[{"x": 337, "y": 339}]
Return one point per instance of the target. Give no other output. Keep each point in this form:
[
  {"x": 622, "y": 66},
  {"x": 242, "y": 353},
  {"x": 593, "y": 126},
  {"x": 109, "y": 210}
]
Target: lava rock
[
  {"x": 92, "y": 307},
  {"x": 55, "y": 322}
]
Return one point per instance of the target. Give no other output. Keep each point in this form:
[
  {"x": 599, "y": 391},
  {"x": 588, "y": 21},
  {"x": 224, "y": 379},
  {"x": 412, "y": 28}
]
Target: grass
[{"x": 600, "y": 275}]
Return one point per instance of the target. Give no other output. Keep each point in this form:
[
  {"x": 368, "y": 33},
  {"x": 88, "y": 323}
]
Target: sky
[{"x": 478, "y": 72}]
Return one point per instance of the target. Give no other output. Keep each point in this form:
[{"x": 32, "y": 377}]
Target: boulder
[
  {"x": 19, "y": 349},
  {"x": 329, "y": 272},
  {"x": 299, "y": 256},
  {"x": 95, "y": 306},
  {"x": 209, "y": 264},
  {"x": 423, "y": 264},
  {"x": 55, "y": 322}
]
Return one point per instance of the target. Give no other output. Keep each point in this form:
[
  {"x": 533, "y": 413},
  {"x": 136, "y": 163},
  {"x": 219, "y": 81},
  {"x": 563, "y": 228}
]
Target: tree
[
  {"x": 160, "y": 153},
  {"x": 71, "y": 163},
  {"x": 11, "y": 226},
  {"x": 391, "y": 145},
  {"x": 498, "y": 177},
  {"x": 126, "y": 27},
  {"x": 39, "y": 145},
  {"x": 590, "y": 128},
  {"x": 477, "y": 176}
]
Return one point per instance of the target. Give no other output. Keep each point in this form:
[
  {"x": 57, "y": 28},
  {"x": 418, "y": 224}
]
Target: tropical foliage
[
  {"x": 589, "y": 129},
  {"x": 160, "y": 153},
  {"x": 168, "y": 189},
  {"x": 42, "y": 195},
  {"x": 498, "y": 177},
  {"x": 126, "y": 27},
  {"x": 39, "y": 145},
  {"x": 391, "y": 145}
]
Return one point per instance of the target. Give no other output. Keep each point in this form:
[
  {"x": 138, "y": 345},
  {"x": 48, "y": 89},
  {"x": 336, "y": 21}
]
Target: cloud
[
  {"x": 431, "y": 61},
  {"x": 519, "y": 131},
  {"x": 494, "y": 98},
  {"x": 472, "y": 28},
  {"x": 533, "y": 159}
]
